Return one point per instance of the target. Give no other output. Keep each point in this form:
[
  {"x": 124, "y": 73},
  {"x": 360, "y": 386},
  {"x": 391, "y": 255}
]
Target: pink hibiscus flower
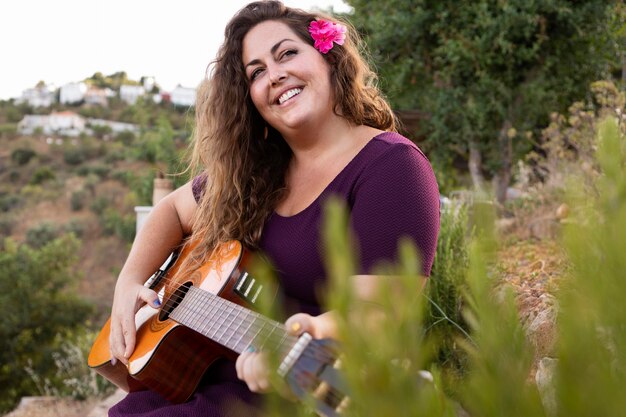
[{"x": 325, "y": 33}]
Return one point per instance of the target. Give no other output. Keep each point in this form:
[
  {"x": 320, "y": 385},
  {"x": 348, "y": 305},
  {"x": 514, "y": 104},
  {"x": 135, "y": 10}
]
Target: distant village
[{"x": 71, "y": 124}]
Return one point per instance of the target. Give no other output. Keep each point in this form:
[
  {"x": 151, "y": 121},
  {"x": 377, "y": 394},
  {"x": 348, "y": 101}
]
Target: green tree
[
  {"x": 487, "y": 71},
  {"x": 40, "y": 305}
]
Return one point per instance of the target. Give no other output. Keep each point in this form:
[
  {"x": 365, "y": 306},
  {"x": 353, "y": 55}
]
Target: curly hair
[{"x": 244, "y": 160}]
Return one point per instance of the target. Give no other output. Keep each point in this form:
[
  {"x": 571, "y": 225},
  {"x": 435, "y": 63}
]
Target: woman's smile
[{"x": 289, "y": 94}]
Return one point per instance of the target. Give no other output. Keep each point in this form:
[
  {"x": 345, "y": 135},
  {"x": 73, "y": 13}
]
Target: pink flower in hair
[{"x": 325, "y": 33}]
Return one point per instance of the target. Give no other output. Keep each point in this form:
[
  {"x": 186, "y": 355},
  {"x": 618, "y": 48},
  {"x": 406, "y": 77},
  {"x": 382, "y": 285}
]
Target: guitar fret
[
  {"x": 246, "y": 343},
  {"x": 232, "y": 333},
  {"x": 206, "y": 312},
  {"x": 224, "y": 326}
]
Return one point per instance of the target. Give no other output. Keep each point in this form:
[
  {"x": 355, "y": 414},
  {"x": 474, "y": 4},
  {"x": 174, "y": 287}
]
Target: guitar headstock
[{"x": 313, "y": 375}]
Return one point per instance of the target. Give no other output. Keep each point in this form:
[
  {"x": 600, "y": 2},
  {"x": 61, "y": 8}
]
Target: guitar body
[{"x": 164, "y": 347}]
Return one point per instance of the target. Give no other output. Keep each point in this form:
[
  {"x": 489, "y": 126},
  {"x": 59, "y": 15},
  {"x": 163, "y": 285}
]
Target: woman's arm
[{"x": 165, "y": 228}]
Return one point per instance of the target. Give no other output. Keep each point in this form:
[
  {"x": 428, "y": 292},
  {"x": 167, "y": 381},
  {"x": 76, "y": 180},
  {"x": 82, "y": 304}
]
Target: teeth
[{"x": 288, "y": 94}]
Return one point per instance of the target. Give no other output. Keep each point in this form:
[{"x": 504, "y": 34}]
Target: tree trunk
[
  {"x": 503, "y": 175},
  {"x": 475, "y": 166}
]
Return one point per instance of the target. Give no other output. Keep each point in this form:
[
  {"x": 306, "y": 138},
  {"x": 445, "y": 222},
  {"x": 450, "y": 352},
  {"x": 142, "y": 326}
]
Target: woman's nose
[{"x": 277, "y": 76}]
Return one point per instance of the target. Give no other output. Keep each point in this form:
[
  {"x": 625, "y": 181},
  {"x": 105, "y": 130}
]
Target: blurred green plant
[
  {"x": 42, "y": 308},
  {"x": 591, "y": 370},
  {"x": 22, "y": 156},
  {"x": 444, "y": 322}
]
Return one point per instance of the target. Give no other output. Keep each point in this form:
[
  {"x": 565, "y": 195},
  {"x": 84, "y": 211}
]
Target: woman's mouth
[{"x": 289, "y": 94}]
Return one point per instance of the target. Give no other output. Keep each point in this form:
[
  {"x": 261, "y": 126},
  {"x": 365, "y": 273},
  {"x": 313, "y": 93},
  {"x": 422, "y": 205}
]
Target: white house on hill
[
  {"x": 42, "y": 96},
  {"x": 63, "y": 123},
  {"x": 130, "y": 93},
  {"x": 72, "y": 93},
  {"x": 183, "y": 96}
]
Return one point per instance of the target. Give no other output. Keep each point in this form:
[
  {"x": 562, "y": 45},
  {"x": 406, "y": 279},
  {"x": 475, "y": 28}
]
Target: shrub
[
  {"x": 41, "y": 234},
  {"x": 99, "y": 205},
  {"x": 22, "y": 156},
  {"x": 444, "y": 322},
  {"x": 114, "y": 223},
  {"x": 37, "y": 290},
  {"x": 76, "y": 227},
  {"x": 42, "y": 175},
  {"x": 77, "y": 200},
  {"x": 9, "y": 201},
  {"x": 74, "y": 155}
]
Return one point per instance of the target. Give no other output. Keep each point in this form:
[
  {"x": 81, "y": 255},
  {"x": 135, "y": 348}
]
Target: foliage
[
  {"x": 22, "y": 156},
  {"x": 487, "y": 71},
  {"x": 42, "y": 307},
  {"x": 8, "y": 130},
  {"x": 113, "y": 81},
  {"x": 9, "y": 201},
  {"x": 114, "y": 223},
  {"x": 41, "y": 175},
  {"x": 443, "y": 321},
  {"x": 42, "y": 234},
  {"x": 592, "y": 355},
  {"x": 72, "y": 377},
  {"x": 568, "y": 144},
  {"x": 78, "y": 199}
]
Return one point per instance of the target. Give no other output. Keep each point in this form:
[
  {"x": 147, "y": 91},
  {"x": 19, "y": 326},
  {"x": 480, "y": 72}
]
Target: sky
[{"x": 61, "y": 41}]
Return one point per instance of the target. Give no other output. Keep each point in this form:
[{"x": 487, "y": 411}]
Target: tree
[
  {"x": 40, "y": 306},
  {"x": 486, "y": 72}
]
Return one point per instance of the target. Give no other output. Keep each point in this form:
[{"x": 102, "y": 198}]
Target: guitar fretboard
[{"x": 230, "y": 324}]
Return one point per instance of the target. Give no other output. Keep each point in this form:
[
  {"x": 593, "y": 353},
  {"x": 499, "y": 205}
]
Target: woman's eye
[
  {"x": 255, "y": 74},
  {"x": 289, "y": 52}
]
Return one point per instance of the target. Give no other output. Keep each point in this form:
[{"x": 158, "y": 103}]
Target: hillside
[{"x": 88, "y": 186}]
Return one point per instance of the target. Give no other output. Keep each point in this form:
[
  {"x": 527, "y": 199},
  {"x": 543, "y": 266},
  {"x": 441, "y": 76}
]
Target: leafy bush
[
  {"x": 114, "y": 223},
  {"x": 99, "y": 170},
  {"x": 41, "y": 175},
  {"x": 37, "y": 293},
  {"x": 74, "y": 155},
  {"x": 42, "y": 234},
  {"x": 99, "y": 205},
  {"x": 9, "y": 201},
  {"x": 78, "y": 199},
  {"x": 76, "y": 227},
  {"x": 22, "y": 156},
  {"x": 444, "y": 322}
]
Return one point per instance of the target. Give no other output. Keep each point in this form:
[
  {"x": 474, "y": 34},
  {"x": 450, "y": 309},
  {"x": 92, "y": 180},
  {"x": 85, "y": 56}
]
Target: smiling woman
[{"x": 288, "y": 117}]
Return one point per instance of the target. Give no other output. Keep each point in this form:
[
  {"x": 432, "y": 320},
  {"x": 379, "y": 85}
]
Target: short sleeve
[{"x": 397, "y": 196}]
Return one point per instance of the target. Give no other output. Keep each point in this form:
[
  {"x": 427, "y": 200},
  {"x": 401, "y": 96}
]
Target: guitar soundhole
[{"x": 173, "y": 301}]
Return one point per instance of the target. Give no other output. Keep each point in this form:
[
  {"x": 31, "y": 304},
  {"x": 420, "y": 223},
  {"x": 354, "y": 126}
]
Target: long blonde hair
[{"x": 242, "y": 159}]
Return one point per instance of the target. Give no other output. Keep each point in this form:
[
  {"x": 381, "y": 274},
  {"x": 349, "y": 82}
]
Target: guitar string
[
  {"x": 219, "y": 303},
  {"x": 178, "y": 294},
  {"x": 254, "y": 321},
  {"x": 332, "y": 394}
]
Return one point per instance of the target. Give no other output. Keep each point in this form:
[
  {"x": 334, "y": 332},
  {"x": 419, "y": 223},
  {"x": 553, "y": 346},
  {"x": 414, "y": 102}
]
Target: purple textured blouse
[{"x": 391, "y": 192}]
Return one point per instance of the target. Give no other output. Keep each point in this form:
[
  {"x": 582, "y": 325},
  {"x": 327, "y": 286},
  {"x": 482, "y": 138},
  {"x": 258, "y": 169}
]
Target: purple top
[{"x": 391, "y": 191}]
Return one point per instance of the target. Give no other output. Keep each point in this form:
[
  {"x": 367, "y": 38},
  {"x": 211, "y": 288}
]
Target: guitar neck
[{"x": 230, "y": 324}]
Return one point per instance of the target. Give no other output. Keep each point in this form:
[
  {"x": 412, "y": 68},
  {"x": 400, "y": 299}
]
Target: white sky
[{"x": 60, "y": 41}]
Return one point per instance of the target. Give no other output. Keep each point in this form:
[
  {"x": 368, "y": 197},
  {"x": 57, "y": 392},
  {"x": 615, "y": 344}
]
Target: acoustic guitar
[{"x": 205, "y": 316}]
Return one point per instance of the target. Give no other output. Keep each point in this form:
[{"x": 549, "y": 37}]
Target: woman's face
[{"x": 289, "y": 79}]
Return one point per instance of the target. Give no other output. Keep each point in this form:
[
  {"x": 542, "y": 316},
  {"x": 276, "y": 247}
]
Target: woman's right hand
[{"x": 128, "y": 299}]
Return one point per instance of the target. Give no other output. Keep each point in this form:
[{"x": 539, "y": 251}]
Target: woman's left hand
[{"x": 252, "y": 366}]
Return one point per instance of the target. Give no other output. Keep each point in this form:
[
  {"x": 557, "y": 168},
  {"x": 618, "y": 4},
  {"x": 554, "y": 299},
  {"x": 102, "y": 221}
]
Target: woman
[{"x": 289, "y": 116}]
